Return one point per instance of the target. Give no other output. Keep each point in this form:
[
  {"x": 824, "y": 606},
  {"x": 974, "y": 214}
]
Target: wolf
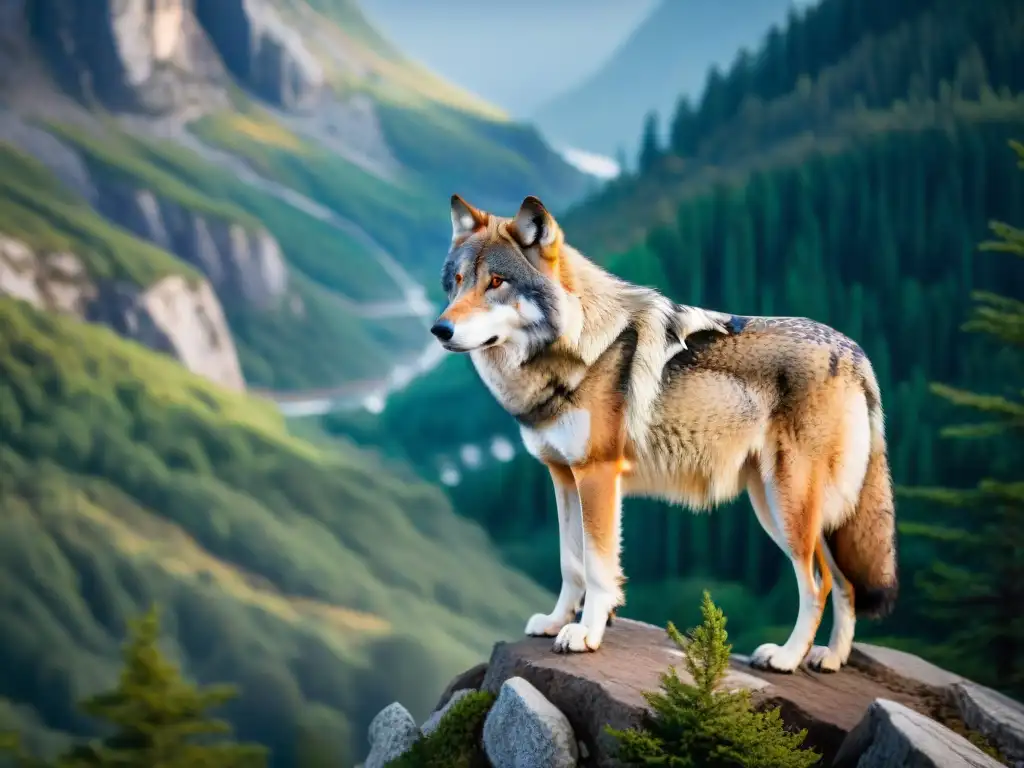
[{"x": 622, "y": 392}]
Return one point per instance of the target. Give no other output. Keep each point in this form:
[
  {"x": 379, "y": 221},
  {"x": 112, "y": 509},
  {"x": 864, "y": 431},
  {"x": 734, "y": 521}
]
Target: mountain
[
  {"x": 666, "y": 57},
  {"x": 283, "y": 149},
  {"x": 201, "y": 200},
  {"x": 846, "y": 173}
]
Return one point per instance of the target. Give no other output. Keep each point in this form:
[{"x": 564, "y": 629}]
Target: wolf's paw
[
  {"x": 573, "y": 638},
  {"x": 774, "y": 658},
  {"x": 544, "y": 625},
  {"x": 824, "y": 659}
]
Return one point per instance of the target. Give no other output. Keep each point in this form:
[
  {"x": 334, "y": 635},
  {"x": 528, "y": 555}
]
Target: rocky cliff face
[
  {"x": 262, "y": 51},
  {"x": 136, "y": 55},
  {"x": 173, "y": 316},
  {"x": 244, "y": 265}
]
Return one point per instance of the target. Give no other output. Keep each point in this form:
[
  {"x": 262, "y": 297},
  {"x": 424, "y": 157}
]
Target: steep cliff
[
  {"x": 262, "y": 51},
  {"x": 244, "y": 264},
  {"x": 129, "y": 55},
  {"x": 174, "y": 315}
]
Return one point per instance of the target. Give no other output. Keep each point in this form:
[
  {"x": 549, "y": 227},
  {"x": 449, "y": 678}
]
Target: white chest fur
[{"x": 566, "y": 441}]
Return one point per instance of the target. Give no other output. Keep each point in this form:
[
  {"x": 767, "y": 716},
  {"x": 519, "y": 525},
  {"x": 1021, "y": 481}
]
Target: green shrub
[
  {"x": 697, "y": 725},
  {"x": 456, "y": 742}
]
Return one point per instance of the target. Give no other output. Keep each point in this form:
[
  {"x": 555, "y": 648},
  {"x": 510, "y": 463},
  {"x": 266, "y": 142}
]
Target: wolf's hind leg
[
  {"x": 601, "y": 504},
  {"x": 570, "y": 547},
  {"x": 794, "y": 496},
  {"x": 832, "y": 657}
]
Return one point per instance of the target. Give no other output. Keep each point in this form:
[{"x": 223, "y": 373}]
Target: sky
[{"x": 515, "y": 55}]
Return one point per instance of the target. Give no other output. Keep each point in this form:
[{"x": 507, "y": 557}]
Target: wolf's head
[{"x": 505, "y": 280}]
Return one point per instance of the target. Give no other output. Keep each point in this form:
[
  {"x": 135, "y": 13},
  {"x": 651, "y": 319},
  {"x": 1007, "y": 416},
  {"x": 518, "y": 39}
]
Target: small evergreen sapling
[
  {"x": 160, "y": 720},
  {"x": 697, "y": 726}
]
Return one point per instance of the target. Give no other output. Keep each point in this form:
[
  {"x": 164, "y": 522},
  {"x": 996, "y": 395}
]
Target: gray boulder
[
  {"x": 392, "y": 733},
  {"x": 999, "y": 718},
  {"x": 525, "y": 730},
  {"x": 894, "y": 736}
]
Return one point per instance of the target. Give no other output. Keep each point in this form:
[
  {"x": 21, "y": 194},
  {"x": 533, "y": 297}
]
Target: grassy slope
[
  {"x": 131, "y": 480},
  {"x": 340, "y": 25},
  {"x": 398, "y": 216},
  {"x": 494, "y": 164},
  {"x": 37, "y": 209}
]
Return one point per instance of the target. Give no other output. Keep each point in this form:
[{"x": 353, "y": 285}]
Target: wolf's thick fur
[{"x": 622, "y": 392}]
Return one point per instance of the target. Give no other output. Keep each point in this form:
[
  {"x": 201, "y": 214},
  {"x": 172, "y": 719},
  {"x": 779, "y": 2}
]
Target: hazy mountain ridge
[{"x": 666, "y": 57}]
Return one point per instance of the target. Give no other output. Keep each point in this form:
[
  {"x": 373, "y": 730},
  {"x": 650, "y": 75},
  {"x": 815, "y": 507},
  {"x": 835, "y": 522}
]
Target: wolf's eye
[
  {"x": 458, "y": 279},
  {"x": 496, "y": 281}
]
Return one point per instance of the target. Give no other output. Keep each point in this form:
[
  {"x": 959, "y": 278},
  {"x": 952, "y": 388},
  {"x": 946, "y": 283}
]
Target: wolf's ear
[
  {"x": 465, "y": 218},
  {"x": 535, "y": 227}
]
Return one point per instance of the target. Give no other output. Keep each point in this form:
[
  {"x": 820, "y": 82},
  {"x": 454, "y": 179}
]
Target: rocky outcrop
[
  {"x": 886, "y": 709},
  {"x": 174, "y": 316},
  {"x": 892, "y": 734},
  {"x": 54, "y": 281},
  {"x": 244, "y": 263},
  {"x": 136, "y": 55},
  {"x": 262, "y": 51}
]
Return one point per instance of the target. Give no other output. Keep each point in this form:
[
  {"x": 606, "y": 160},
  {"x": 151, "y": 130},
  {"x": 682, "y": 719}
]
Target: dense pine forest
[{"x": 847, "y": 171}]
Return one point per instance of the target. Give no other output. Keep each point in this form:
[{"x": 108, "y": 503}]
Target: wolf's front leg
[
  {"x": 570, "y": 546},
  {"x": 601, "y": 504}
]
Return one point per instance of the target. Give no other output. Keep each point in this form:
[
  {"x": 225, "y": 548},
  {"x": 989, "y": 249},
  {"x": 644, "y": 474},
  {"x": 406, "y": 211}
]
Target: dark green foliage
[
  {"x": 456, "y": 742},
  {"x": 926, "y": 63},
  {"x": 13, "y": 753},
  {"x": 975, "y": 590},
  {"x": 157, "y": 716},
  {"x": 650, "y": 144},
  {"x": 127, "y": 481},
  {"x": 834, "y": 32},
  {"x": 697, "y": 726}
]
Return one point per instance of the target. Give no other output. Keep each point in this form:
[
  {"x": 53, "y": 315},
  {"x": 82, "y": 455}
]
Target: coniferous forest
[{"x": 847, "y": 171}]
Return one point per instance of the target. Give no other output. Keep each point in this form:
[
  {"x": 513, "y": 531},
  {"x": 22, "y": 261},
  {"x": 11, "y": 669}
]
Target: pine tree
[
  {"x": 650, "y": 147},
  {"x": 697, "y": 725},
  {"x": 622, "y": 160},
  {"x": 977, "y": 588},
  {"x": 160, "y": 720}
]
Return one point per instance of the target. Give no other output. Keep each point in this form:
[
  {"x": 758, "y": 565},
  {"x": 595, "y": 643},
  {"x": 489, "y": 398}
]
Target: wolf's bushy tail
[{"x": 864, "y": 548}]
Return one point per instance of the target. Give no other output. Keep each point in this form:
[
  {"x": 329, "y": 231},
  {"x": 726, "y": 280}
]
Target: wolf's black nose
[{"x": 443, "y": 329}]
